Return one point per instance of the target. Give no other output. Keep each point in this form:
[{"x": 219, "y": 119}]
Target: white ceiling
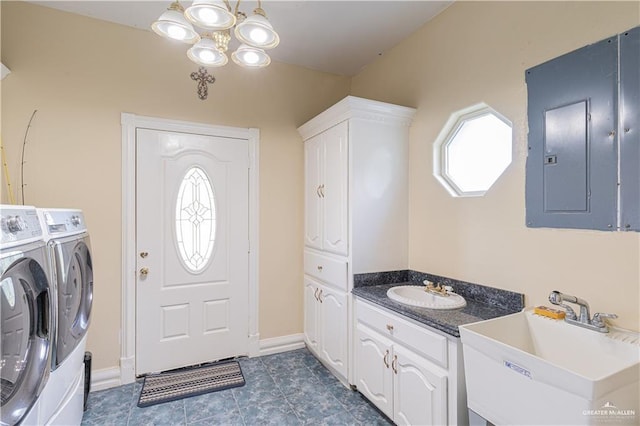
[{"x": 334, "y": 36}]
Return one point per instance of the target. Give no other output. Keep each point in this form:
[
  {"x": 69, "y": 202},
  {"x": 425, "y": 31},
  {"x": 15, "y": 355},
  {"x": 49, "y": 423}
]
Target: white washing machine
[
  {"x": 27, "y": 311},
  {"x": 69, "y": 252}
]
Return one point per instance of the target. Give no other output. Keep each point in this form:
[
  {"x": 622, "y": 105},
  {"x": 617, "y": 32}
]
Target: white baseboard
[
  {"x": 254, "y": 345},
  {"x": 105, "y": 378},
  {"x": 281, "y": 344},
  {"x": 127, "y": 370},
  {"x": 111, "y": 377}
]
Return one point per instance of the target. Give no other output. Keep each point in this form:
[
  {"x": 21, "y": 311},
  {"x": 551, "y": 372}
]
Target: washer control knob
[
  {"x": 15, "y": 224},
  {"x": 75, "y": 220}
]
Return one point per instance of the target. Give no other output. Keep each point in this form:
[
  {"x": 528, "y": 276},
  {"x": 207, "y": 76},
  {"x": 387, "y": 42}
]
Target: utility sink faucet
[{"x": 584, "y": 320}]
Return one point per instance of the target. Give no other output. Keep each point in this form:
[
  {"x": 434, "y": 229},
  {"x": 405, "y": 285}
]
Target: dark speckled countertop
[{"x": 446, "y": 321}]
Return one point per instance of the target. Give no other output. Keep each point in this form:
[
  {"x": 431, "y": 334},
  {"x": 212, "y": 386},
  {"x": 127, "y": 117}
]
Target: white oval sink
[{"x": 415, "y": 295}]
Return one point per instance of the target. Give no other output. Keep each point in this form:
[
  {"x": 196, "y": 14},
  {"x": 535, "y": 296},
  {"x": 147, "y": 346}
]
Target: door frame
[{"x": 130, "y": 122}]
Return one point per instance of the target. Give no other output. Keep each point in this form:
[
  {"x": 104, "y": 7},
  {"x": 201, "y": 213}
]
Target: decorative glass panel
[{"x": 195, "y": 219}]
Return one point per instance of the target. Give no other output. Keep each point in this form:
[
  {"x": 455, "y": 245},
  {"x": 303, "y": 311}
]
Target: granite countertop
[{"x": 446, "y": 321}]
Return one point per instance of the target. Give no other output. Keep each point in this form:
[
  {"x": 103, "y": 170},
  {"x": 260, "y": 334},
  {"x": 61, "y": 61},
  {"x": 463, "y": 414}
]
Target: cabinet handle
[
  {"x": 322, "y": 190},
  {"x": 318, "y": 192},
  {"x": 394, "y": 364},
  {"x": 320, "y": 296},
  {"x": 390, "y": 327},
  {"x": 385, "y": 360},
  {"x": 320, "y": 268},
  {"x": 316, "y": 294}
]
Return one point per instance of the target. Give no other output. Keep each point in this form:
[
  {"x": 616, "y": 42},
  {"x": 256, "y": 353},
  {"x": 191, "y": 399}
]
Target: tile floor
[{"x": 290, "y": 388}]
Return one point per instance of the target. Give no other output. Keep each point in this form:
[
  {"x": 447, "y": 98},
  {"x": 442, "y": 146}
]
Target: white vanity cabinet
[
  {"x": 408, "y": 371},
  {"x": 356, "y": 215}
]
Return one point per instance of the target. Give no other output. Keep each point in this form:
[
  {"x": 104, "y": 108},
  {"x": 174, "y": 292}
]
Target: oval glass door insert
[{"x": 195, "y": 219}]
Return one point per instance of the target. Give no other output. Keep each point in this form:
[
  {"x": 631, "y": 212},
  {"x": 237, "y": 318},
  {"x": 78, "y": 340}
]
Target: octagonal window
[{"x": 472, "y": 151}]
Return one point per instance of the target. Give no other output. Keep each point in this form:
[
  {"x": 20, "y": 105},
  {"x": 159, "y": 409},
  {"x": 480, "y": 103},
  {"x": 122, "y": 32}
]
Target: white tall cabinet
[
  {"x": 326, "y": 190},
  {"x": 356, "y": 215}
]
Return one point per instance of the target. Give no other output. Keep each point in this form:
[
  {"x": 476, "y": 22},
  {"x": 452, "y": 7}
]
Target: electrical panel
[{"x": 583, "y": 164}]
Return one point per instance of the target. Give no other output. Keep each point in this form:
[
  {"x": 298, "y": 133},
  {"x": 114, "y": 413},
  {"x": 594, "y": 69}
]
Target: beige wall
[
  {"x": 479, "y": 51},
  {"x": 81, "y": 74}
]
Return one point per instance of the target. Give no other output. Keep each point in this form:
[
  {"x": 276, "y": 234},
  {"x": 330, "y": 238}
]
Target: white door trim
[{"x": 129, "y": 124}]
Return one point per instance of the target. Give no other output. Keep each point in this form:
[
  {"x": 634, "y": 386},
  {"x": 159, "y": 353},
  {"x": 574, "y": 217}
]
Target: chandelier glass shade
[
  {"x": 255, "y": 33},
  {"x": 210, "y": 15},
  {"x": 250, "y": 57},
  {"x": 206, "y": 53},
  {"x": 173, "y": 25}
]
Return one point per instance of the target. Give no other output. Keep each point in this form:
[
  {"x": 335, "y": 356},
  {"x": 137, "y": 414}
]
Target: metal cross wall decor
[{"x": 202, "y": 77}]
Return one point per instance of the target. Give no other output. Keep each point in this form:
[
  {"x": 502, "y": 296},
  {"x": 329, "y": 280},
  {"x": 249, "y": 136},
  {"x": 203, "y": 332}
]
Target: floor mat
[{"x": 192, "y": 381}]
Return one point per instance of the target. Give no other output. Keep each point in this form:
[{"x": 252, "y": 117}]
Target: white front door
[{"x": 192, "y": 241}]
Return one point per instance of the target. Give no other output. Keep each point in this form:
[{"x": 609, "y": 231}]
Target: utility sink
[
  {"x": 528, "y": 369},
  {"x": 414, "y": 295}
]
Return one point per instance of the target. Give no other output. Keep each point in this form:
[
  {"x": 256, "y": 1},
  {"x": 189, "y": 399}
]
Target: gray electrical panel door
[
  {"x": 629, "y": 130},
  {"x": 573, "y": 157}
]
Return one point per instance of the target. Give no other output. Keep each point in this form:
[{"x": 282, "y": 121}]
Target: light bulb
[
  {"x": 258, "y": 35},
  {"x": 208, "y": 16},
  {"x": 251, "y": 57},
  {"x": 206, "y": 56},
  {"x": 176, "y": 32}
]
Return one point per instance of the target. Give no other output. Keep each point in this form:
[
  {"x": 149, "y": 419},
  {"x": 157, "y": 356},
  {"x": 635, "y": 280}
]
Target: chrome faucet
[{"x": 584, "y": 320}]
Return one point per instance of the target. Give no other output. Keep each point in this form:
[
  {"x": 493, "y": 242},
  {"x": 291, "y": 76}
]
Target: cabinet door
[
  {"x": 313, "y": 153},
  {"x": 374, "y": 378},
  {"x": 335, "y": 191},
  {"x": 419, "y": 391},
  {"x": 311, "y": 307},
  {"x": 333, "y": 329},
  {"x": 572, "y": 160}
]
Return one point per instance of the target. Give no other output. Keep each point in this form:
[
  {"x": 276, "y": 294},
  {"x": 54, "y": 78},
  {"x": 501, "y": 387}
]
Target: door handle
[
  {"x": 318, "y": 191},
  {"x": 144, "y": 271},
  {"x": 320, "y": 296},
  {"x": 394, "y": 364},
  {"x": 322, "y": 190},
  {"x": 315, "y": 294},
  {"x": 385, "y": 359}
]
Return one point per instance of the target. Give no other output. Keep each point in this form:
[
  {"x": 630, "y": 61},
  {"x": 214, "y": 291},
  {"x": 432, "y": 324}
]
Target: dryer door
[
  {"x": 74, "y": 278},
  {"x": 25, "y": 342}
]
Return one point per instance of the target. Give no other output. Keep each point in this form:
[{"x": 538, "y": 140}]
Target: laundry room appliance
[
  {"x": 69, "y": 253},
  {"x": 27, "y": 313}
]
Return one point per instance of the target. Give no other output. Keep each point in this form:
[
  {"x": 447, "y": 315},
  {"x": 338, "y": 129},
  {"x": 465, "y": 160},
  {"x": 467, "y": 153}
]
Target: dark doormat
[{"x": 191, "y": 381}]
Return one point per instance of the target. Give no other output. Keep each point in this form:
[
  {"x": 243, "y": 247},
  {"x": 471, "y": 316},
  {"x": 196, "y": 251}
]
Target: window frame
[{"x": 448, "y": 134}]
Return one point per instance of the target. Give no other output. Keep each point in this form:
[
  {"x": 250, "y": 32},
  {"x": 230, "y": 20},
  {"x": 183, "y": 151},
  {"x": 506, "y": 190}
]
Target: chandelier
[{"x": 216, "y": 18}]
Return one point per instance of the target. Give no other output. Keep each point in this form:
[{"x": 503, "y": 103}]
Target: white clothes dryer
[
  {"x": 27, "y": 310},
  {"x": 69, "y": 253}
]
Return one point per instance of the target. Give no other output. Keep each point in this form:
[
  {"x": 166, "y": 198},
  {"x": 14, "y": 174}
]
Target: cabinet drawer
[
  {"x": 425, "y": 342},
  {"x": 327, "y": 269}
]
